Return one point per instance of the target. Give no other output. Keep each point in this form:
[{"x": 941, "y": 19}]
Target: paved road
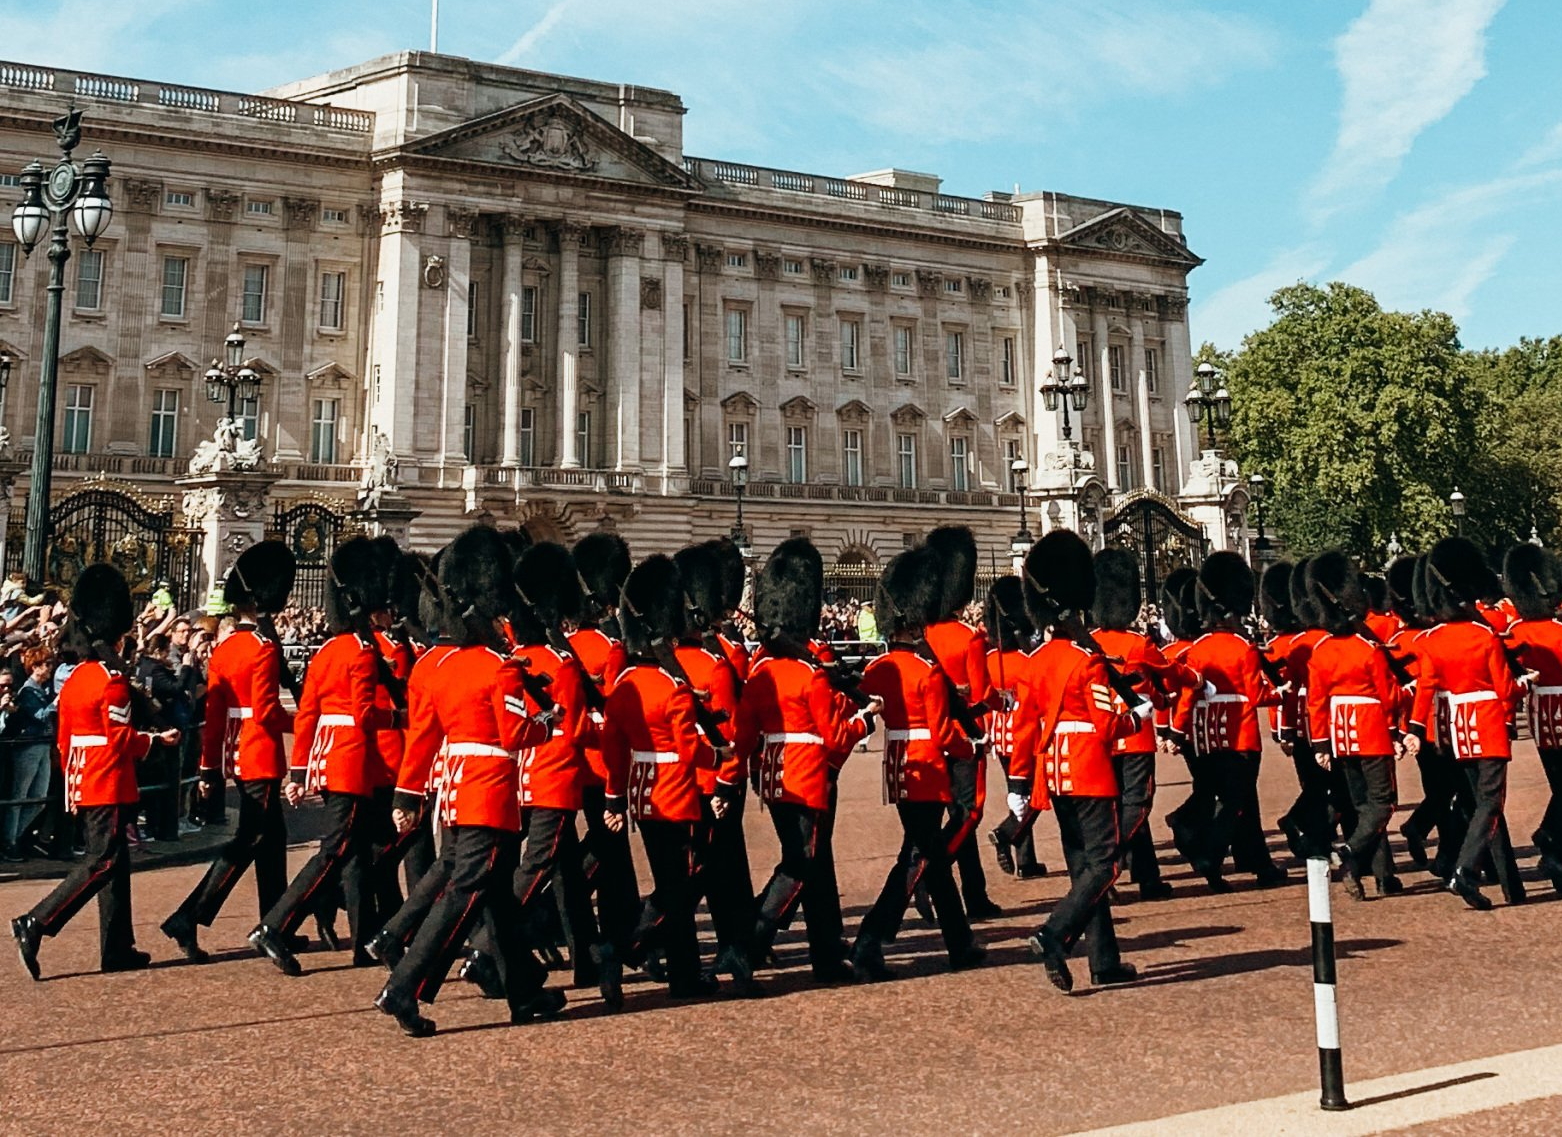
[{"x": 1223, "y": 1015}]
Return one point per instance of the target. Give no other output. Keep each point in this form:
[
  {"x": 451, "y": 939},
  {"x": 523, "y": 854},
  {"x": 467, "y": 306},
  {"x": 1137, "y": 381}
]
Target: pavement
[{"x": 1450, "y": 1021}]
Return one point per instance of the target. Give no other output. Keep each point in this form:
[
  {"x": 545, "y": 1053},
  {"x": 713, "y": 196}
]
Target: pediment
[
  {"x": 798, "y": 407},
  {"x": 1121, "y": 232},
  {"x": 256, "y": 363},
  {"x": 88, "y": 357},
  {"x": 173, "y": 360},
  {"x": 691, "y": 401},
  {"x": 855, "y": 411},
  {"x": 330, "y": 374},
  {"x": 960, "y": 416},
  {"x": 907, "y": 414},
  {"x": 9, "y": 348},
  {"x": 740, "y": 403},
  {"x": 554, "y": 135},
  {"x": 1010, "y": 419}
]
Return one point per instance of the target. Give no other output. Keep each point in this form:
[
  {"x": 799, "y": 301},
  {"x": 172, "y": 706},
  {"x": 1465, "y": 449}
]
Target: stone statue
[
  {"x": 227, "y": 451},
  {"x": 5, "y": 444},
  {"x": 379, "y": 475}
]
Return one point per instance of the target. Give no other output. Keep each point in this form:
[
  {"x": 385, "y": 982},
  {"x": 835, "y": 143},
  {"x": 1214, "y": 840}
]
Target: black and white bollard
[{"x": 1325, "y": 1008}]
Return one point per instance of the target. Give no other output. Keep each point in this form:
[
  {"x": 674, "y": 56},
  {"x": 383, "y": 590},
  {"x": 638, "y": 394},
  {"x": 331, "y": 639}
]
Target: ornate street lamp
[
  {"x": 1060, "y": 390},
  {"x": 1395, "y": 550},
  {"x": 1258, "y": 490},
  {"x": 1534, "y": 538},
  {"x": 1208, "y": 400},
  {"x": 78, "y": 193},
  {"x": 1018, "y": 469},
  {"x": 229, "y": 379},
  {"x": 1456, "y": 503},
  {"x": 737, "y": 469}
]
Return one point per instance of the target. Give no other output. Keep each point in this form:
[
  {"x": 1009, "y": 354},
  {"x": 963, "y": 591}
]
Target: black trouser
[
  {"x": 801, "y": 877},
  {"x": 1136, "y": 776},
  {"x": 724, "y": 877},
  {"x": 1020, "y": 839},
  {"x": 1374, "y": 787},
  {"x": 1551, "y": 823},
  {"x": 1488, "y": 829},
  {"x": 923, "y": 853},
  {"x": 259, "y": 840},
  {"x": 552, "y": 856},
  {"x": 160, "y": 768},
  {"x": 611, "y": 874},
  {"x": 1438, "y": 809},
  {"x": 1310, "y": 812},
  {"x": 105, "y": 873},
  {"x": 412, "y": 850},
  {"x": 669, "y": 847},
  {"x": 1342, "y": 799},
  {"x": 1088, "y": 827},
  {"x": 1190, "y": 821},
  {"x": 1236, "y": 826},
  {"x": 482, "y": 884},
  {"x": 964, "y": 817},
  {"x": 346, "y": 855},
  {"x": 404, "y": 925}
]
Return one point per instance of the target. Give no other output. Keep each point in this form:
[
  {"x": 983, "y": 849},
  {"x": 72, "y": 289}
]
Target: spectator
[
  {"x": 28, "y": 731},
  {"x": 867, "y": 624}
]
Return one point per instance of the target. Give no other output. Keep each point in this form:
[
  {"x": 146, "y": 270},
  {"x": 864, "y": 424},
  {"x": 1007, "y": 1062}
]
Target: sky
[{"x": 1411, "y": 147}]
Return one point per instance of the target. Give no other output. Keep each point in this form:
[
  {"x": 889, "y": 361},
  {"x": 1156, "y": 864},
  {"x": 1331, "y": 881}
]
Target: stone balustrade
[{"x": 786, "y": 181}]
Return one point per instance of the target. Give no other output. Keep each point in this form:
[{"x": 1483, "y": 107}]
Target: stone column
[
  {"x": 391, "y": 515},
  {"x": 10, "y": 470},
  {"x": 675, "y": 247},
  {"x": 462, "y": 224},
  {"x": 1177, "y": 377},
  {"x": 569, "y": 342},
  {"x": 295, "y": 306},
  {"x": 230, "y": 508},
  {"x": 392, "y": 396},
  {"x": 1142, "y": 391},
  {"x": 623, "y": 380},
  {"x": 1100, "y": 334},
  {"x": 510, "y": 352},
  {"x": 126, "y": 426}
]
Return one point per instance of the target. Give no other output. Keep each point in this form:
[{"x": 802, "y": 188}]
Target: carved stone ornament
[
  {"x": 981, "y": 288},
  {"x": 623, "y": 242},
  {"x": 929, "y": 283},
  {"x": 227, "y": 451},
  {"x": 433, "y": 271},
  {"x": 1024, "y": 289},
  {"x": 462, "y": 223},
  {"x": 709, "y": 257},
  {"x": 203, "y": 505},
  {"x": 144, "y": 196},
  {"x": 513, "y": 227},
  {"x": 675, "y": 247},
  {"x": 553, "y": 143},
  {"x": 1174, "y": 308},
  {"x": 824, "y": 271},
  {"x": 301, "y": 212},
  {"x": 379, "y": 475},
  {"x": 569, "y": 232},
  {"x": 403, "y": 216},
  {"x": 220, "y": 204},
  {"x": 876, "y": 276},
  {"x": 767, "y": 266},
  {"x": 650, "y": 293}
]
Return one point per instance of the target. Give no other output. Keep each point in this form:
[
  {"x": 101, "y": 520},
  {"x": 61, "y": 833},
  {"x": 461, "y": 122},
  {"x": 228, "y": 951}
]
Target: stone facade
[{"x": 555, "y": 316}]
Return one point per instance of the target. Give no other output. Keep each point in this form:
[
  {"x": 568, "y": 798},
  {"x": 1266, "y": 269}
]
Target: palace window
[
  {"x": 258, "y": 208},
  {"x": 1125, "y": 468},
  {"x": 737, "y": 335},
  {"x": 791, "y": 267},
  {"x": 1114, "y": 358},
  {"x": 583, "y": 319},
  {"x": 1006, "y": 364},
  {"x": 528, "y": 436},
  {"x": 851, "y": 339},
  {"x": 77, "y": 436},
  {"x": 249, "y": 418},
  {"x": 849, "y": 272},
  {"x": 1011, "y": 453},
  {"x": 334, "y": 216},
  {"x": 906, "y": 460},
  {"x": 1158, "y": 461},
  {"x": 7, "y": 272},
  {"x": 333, "y": 293},
  {"x": 959, "y": 463},
  {"x": 529, "y": 313},
  {"x": 179, "y": 199},
  {"x": 905, "y": 340},
  {"x": 737, "y": 260},
  {"x": 851, "y": 456},
  {"x": 469, "y": 434},
  {"x": 797, "y": 454},
  {"x": 1152, "y": 370},
  {"x": 954, "y": 356},
  {"x": 175, "y": 271},
  {"x": 737, "y": 439},
  {"x": 583, "y": 437},
  {"x": 954, "y": 284},
  {"x": 474, "y": 301},
  {"x": 89, "y": 280},
  {"x": 165, "y": 423},
  {"x": 322, "y": 430},
  {"x": 1084, "y": 362},
  {"x": 794, "y": 340},
  {"x": 253, "y": 309},
  {"x": 900, "y": 279}
]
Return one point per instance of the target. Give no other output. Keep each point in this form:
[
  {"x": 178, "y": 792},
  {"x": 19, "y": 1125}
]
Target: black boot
[
  {"x": 1350, "y": 872},
  {"x": 181, "y": 929},
  {"x": 325, "y": 932},
  {"x": 269, "y": 944},
  {"x": 385, "y": 948},
  {"x": 1415, "y": 845},
  {"x": 610, "y": 976},
  {"x": 1045, "y": 947},
  {"x": 1467, "y": 890},
  {"x": 481, "y": 972},
  {"x": 1002, "y": 850},
  {"x": 868, "y": 961},
  {"x": 28, "y": 935},
  {"x": 405, "y": 1011},
  {"x": 1115, "y": 976},
  {"x": 128, "y": 960}
]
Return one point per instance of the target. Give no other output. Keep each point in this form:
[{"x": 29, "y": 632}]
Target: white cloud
[
  {"x": 1544, "y": 152},
  {"x": 1404, "y": 64},
  {"x": 88, "y": 36},
  {"x": 533, "y": 35},
  {"x": 1231, "y": 312}
]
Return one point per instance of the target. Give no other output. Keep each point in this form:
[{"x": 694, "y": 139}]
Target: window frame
[
  {"x": 184, "y": 288},
  {"x": 526, "y": 431},
  {"x": 322, "y": 442},
  {"x": 1008, "y": 363},
  {"x": 8, "y": 273},
  {"x": 735, "y": 320},
  {"x": 906, "y": 472},
  {"x": 796, "y": 360},
  {"x": 99, "y": 258},
  {"x": 583, "y": 320},
  {"x": 264, "y": 295},
  {"x": 851, "y": 456},
  {"x": 340, "y": 301},
  {"x": 1117, "y": 365},
  {"x": 583, "y": 438},
  {"x": 960, "y": 463},
  {"x": 797, "y": 455},
  {"x": 76, "y": 418},
  {"x": 909, "y": 332},
  {"x": 530, "y": 298},
  {"x": 954, "y": 355},
  {"x": 163, "y": 438},
  {"x": 851, "y": 338}
]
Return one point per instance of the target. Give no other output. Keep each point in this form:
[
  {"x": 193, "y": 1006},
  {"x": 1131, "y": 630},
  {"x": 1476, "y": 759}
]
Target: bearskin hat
[
  {"x": 909, "y": 596},
  {"x": 1179, "y": 603},
  {"x": 412, "y": 583},
  {"x": 1376, "y": 588},
  {"x": 1225, "y": 587},
  {"x": 1274, "y": 597},
  {"x": 1118, "y": 595},
  {"x": 1008, "y": 626},
  {"x": 1456, "y": 576},
  {"x": 475, "y": 573},
  {"x": 1401, "y": 580},
  {"x": 789, "y": 592},
  {"x": 101, "y": 609},
  {"x": 547, "y": 593},
  {"x": 602, "y": 560},
  {"x": 1060, "y": 579},
  {"x": 1335, "y": 590},
  {"x": 262, "y": 577},
  {"x": 516, "y": 542},
  {"x": 1421, "y": 591},
  {"x": 1307, "y": 615},
  {"x": 1533, "y": 578},
  {"x": 700, "y": 569},
  {"x": 956, "y": 544},
  {"x": 734, "y": 575},
  {"x": 358, "y": 583},
  {"x": 651, "y": 607}
]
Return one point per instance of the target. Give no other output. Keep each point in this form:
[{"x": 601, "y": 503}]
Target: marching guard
[
  {"x": 1011, "y": 637},
  {"x": 1533, "y": 578}
]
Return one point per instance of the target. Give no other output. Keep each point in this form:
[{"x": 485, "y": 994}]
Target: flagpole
[{"x": 433, "y": 33}]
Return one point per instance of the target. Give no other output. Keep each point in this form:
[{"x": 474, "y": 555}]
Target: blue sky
[{"x": 1413, "y": 147}]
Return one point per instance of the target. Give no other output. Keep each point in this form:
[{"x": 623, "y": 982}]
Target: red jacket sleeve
[
  {"x": 265, "y": 690},
  {"x": 304, "y": 723},
  {"x": 1110, "y": 723},
  {"x": 122, "y": 737},
  {"x": 1507, "y": 688},
  {"x": 935, "y": 703},
  {"x": 976, "y": 668},
  {"x": 1319, "y": 682},
  {"x": 835, "y": 717},
  {"x": 363, "y": 678},
  {"x": 517, "y": 728},
  {"x": 723, "y": 695},
  {"x": 682, "y": 725},
  {"x": 425, "y": 733},
  {"x": 569, "y": 693},
  {"x": 1426, "y": 691},
  {"x": 218, "y": 699},
  {"x": 616, "y": 748}
]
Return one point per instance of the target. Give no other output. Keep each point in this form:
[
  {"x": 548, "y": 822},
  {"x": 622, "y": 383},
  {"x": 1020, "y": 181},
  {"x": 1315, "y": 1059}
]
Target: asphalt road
[{"x": 1222, "y": 1015}]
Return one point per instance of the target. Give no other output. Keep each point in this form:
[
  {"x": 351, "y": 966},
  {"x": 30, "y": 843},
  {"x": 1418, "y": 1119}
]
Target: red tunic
[
  {"x": 1070, "y": 719},
  {"x": 602, "y": 658},
  {"x": 1539, "y": 643},
  {"x": 651, "y": 745},
  {"x": 797, "y": 723},
  {"x": 474, "y": 702},
  {"x": 1228, "y": 718},
  {"x": 962, "y": 654},
  {"x": 1462, "y": 667},
  {"x": 400, "y": 659},
  {"x": 715, "y": 677},
  {"x": 1141, "y": 659},
  {"x": 1006, "y": 671},
  {"x": 1384, "y": 625},
  {"x": 918, "y": 731},
  {"x": 338, "y": 714},
  {"x": 1352, "y": 699},
  {"x": 1168, "y": 716},
  {"x": 554, "y": 771},
  {"x": 737, "y": 655},
  {"x": 101, "y": 748},
  {"x": 422, "y": 764},
  {"x": 245, "y": 719}
]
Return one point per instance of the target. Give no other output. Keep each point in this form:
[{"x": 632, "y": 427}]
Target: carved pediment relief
[
  {"x": 331, "y": 374},
  {"x": 798, "y": 408},
  {"x": 9, "y": 348},
  {"x": 854, "y": 413},
  {"x": 86, "y": 359},
  {"x": 908, "y": 414},
  {"x": 740, "y": 403},
  {"x": 256, "y": 363},
  {"x": 1122, "y": 232},
  {"x": 1010, "y": 420},
  {"x": 173, "y": 362},
  {"x": 691, "y": 401},
  {"x": 960, "y": 416},
  {"x": 554, "y": 135}
]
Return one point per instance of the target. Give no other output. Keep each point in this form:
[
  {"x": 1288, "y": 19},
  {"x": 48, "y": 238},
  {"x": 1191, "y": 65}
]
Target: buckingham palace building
[{"x": 519, "y": 290}]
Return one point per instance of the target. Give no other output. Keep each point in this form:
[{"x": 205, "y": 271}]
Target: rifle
[
  {"x": 1521, "y": 674},
  {"x": 709, "y": 721},
  {"x": 595, "y": 699}
]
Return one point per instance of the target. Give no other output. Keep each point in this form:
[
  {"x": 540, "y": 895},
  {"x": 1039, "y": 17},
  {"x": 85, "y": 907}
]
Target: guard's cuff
[{"x": 407, "y": 801}]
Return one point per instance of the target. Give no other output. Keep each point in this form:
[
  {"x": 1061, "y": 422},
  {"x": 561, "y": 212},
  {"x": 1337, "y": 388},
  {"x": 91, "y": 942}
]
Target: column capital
[
  {"x": 145, "y": 196},
  {"x": 300, "y": 211},
  {"x": 675, "y": 247},
  {"x": 709, "y": 257},
  {"x": 1024, "y": 289},
  {"x": 981, "y": 288},
  {"x": 877, "y": 276},
  {"x": 461, "y": 222},
  {"x": 1174, "y": 308},
  {"x": 220, "y": 204},
  {"x": 929, "y": 283},
  {"x": 513, "y": 228},
  {"x": 403, "y": 216},
  {"x": 624, "y": 242},
  {"x": 569, "y": 232}
]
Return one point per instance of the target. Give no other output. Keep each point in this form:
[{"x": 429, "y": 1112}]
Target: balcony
[
  {"x": 788, "y": 181},
  {"x": 792, "y": 491}
]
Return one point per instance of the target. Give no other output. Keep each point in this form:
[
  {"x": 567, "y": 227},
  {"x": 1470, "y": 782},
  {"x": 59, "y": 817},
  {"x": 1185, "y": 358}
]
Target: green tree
[
  {"x": 1520, "y": 438},
  {"x": 1363, "y": 420}
]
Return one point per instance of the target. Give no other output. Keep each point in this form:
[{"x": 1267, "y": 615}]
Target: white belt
[
  {"x": 1074, "y": 728},
  {"x": 241, "y": 712},
  {"x": 338, "y": 720},
  {"x": 1353, "y": 701},
  {"x": 1213, "y": 699},
  {"x": 654, "y": 757},
  {"x": 474, "y": 750},
  {"x": 793, "y": 736},
  {"x": 1468, "y": 697},
  {"x": 1547, "y": 690},
  {"x": 918, "y": 734},
  {"x": 88, "y": 740}
]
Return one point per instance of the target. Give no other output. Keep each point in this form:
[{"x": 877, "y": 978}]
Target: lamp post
[
  {"x": 1258, "y": 490},
  {"x": 1208, "y": 400},
  {"x": 1456, "y": 503},
  {"x": 1395, "y": 550},
  {"x": 78, "y": 193},
  {"x": 737, "y": 468},
  {"x": 229, "y": 379},
  {"x": 1060, "y": 390},
  {"x": 1018, "y": 469},
  {"x": 5, "y": 381}
]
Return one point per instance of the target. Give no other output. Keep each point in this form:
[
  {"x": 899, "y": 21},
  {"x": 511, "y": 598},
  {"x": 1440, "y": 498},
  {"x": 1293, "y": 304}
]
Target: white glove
[
  {"x": 1145, "y": 710},
  {"x": 1210, "y": 690},
  {"x": 1019, "y": 805}
]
